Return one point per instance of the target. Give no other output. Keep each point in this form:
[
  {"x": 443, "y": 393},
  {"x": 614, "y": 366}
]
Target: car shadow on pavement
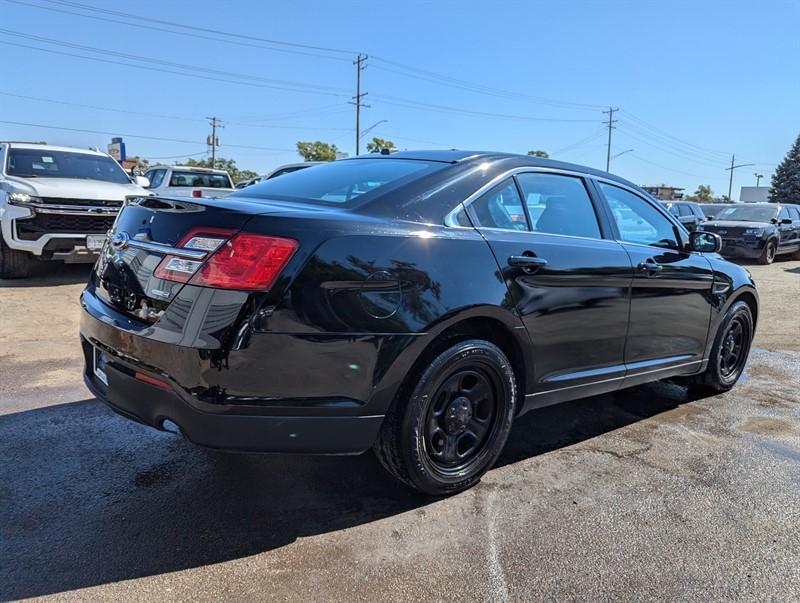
[
  {"x": 50, "y": 274},
  {"x": 89, "y": 498}
]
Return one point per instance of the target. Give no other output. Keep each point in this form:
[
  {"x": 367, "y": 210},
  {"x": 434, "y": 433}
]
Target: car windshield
[
  {"x": 341, "y": 181},
  {"x": 748, "y": 214},
  {"x": 204, "y": 179},
  {"x": 44, "y": 163}
]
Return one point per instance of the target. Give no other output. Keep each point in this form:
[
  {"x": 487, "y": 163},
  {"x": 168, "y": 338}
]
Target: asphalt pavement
[{"x": 642, "y": 495}]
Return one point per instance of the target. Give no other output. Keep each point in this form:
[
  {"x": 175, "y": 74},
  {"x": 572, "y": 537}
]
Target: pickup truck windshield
[
  {"x": 748, "y": 214},
  {"x": 43, "y": 163},
  {"x": 203, "y": 179}
]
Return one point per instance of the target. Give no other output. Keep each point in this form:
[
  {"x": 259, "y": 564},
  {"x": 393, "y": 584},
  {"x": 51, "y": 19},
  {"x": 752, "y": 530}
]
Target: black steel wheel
[
  {"x": 731, "y": 348},
  {"x": 769, "y": 253},
  {"x": 456, "y": 421}
]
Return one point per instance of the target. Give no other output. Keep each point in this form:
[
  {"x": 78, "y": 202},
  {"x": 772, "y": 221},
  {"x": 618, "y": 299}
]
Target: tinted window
[
  {"x": 784, "y": 214},
  {"x": 501, "y": 207},
  {"x": 698, "y": 212},
  {"x": 674, "y": 209},
  {"x": 794, "y": 212},
  {"x": 289, "y": 170},
  {"x": 43, "y": 163},
  {"x": 342, "y": 181},
  {"x": 559, "y": 205},
  {"x": 686, "y": 211},
  {"x": 637, "y": 220},
  {"x": 204, "y": 179},
  {"x": 156, "y": 177},
  {"x": 744, "y": 213}
]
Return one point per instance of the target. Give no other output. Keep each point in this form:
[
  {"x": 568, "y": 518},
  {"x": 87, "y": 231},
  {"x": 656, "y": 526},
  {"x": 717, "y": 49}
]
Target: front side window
[
  {"x": 784, "y": 214},
  {"x": 44, "y": 163},
  {"x": 559, "y": 205},
  {"x": 501, "y": 207},
  {"x": 155, "y": 177},
  {"x": 637, "y": 220}
]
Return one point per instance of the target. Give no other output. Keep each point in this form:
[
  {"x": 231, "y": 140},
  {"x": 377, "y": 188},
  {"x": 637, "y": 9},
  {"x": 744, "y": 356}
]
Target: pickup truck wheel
[
  {"x": 731, "y": 348},
  {"x": 768, "y": 255},
  {"x": 13, "y": 262},
  {"x": 455, "y": 422}
]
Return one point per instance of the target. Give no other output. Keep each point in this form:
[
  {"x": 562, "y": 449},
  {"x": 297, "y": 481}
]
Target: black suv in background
[
  {"x": 759, "y": 231},
  {"x": 689, "y": 214}
]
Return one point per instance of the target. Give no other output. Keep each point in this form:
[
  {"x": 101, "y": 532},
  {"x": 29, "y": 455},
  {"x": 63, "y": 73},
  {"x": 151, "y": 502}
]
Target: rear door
[
  {"x": 569, "y": 283},
  {"x": 788, "y": 232},
  {"x": 671, "y": 295}
]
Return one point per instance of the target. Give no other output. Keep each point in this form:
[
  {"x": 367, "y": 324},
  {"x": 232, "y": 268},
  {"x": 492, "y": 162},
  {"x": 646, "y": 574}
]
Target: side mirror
[
  {"x": 705, "y": 242},
  {"x": 142, "y": 181},
  {"x": 786, "y": 221}
]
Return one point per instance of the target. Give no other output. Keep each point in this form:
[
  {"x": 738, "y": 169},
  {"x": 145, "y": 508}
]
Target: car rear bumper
[
  {"x": 153, "y": 406},
  {"x": 154, "y": 381}
]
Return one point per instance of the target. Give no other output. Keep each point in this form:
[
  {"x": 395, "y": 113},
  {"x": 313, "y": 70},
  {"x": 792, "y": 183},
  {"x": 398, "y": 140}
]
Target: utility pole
[
  {"x": 360, "y": 64},
  {"x": 733, "y": 167},
  {"x": 611, "y": 122},
  {"x": 212, "y": 140},
  {"x": 758, "y": 178}
]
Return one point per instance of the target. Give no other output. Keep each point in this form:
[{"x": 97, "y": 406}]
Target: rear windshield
[
  {"x": 200, "y": 179},
  {"x": 43, "y": 163},
  {"x": 341, "y": 182},
  {"x": 748, "y": 214}
]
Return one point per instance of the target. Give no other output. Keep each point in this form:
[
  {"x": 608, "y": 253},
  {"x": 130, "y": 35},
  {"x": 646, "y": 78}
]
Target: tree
[
  {"x": 228, "y": 165},
  {"x": 538, "y": 153},
  {"x": 316, "y": 151},
  {"x": 703, "y": 194},
  {"x": 786, "y": 179},
  {"x": 376, "y": 145}
]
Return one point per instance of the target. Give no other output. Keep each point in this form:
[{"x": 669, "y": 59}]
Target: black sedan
[
  {"x": 758, "y": 231},
  {"x": 413, "y": 303}
]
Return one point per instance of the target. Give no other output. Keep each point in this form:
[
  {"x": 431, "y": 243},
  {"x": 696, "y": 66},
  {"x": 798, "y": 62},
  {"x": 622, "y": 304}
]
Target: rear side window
[
  {"x": 501, "y": 207},
  {"x": 637, "y": 220},
  {"x": 342, "y": 181},
  {"x": 559, "y": 205},
  {"x": 794, "y": 212},
  {"x": 200, "y": 179}
]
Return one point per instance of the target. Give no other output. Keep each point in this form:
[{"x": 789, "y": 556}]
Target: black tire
[
  {"x": 13, "y": 262},
  {"x": 770, "y": 251},
  {"x": 729, "y": 353},
  {"x": 453, "y": 421}
]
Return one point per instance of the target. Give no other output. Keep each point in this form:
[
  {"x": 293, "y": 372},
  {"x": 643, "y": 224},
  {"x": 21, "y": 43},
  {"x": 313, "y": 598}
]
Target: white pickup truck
[
  {"x": 185, "y": 181},
  {"x": 57, "y": 203}
]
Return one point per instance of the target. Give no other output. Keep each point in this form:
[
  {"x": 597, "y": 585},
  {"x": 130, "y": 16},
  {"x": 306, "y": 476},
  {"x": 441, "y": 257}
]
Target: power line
[
  {"x": 664, "y": 134},
  {"x": 150, "y": 61},
  {"x": 218, "y": 32},
  {"x": 160, "y": 139},
  {"x": 671, "y": 151}
]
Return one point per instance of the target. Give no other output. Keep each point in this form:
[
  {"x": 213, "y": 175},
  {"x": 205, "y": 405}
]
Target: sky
[{"x": 694, "y": 81}]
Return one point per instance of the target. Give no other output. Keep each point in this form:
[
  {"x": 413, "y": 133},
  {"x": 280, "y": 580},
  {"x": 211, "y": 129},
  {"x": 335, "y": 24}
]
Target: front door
[
  {"x": 568, "y": 283},
  {"x": 671, "y": 297}
]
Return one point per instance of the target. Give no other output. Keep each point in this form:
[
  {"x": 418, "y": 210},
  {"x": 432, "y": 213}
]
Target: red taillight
[
  {"x": 197, "y": 194},
  {"x": 246, "y": 262}
]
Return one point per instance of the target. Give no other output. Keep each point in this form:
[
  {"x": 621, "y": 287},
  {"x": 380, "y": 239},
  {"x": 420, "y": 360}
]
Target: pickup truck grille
[
  {"x": 81, "y": 202},
  {"x": 32, "y": 228}
]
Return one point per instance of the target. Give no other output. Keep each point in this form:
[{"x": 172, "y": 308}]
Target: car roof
[
  {"x": 51, "y": 147},
  {"x": 456, "y": 157}
]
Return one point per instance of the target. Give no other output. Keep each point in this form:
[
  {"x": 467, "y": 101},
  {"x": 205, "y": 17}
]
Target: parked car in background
[
  {"x": 278, "y": 171},
  {"x": 411, "y": 302},
  {"x": 688, "y": 213},
  {"x": 760, "y": 231},
  {"x": 57, "y": 203},
  {"x": 711, "y": 210},
  {"x": 187, "y": 181}
]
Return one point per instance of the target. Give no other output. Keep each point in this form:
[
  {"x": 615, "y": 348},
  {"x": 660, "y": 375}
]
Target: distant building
[
  {"x": 754, "y": 194},
  {"x": 665, "y": 193}
]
